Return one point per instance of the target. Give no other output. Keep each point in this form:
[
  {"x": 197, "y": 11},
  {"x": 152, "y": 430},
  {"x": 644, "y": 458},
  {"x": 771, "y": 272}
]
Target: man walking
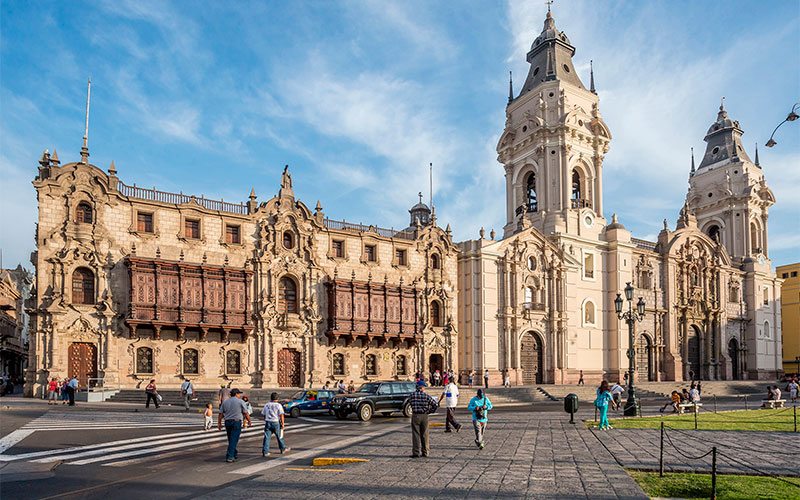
[
  {"x": 450, "y": 395},
  {"x": 480, "y": 406},
  {"x": 233, "y": 410},
  {"x": 421, "y": 406},
  {"x": 273, "y": 424},
  {"x": 580, "y": 378},
  {"x": 616, "y": 393},
  {"x": 224, "y": 393},
  {"x": 187, "y": 390},
  {"x": 486, "y": 379},
  {"x": 71, "y": 388}
]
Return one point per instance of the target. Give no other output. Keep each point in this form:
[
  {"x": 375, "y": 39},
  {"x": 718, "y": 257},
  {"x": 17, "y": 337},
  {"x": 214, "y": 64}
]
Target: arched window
[
  {"x": 529, "y": 294},
  {"x": 144, "y": 360},
  {"x": 588, "y": 312},
  {"x": 576, "y": 185},
  {"x": 371, "y": 367},
  {"x": 401, "y": 365},
  {"x": 83, "y": 214},
  {"x": 288, "y": 240},
  {"x": 713, "y": 232},
  {"x": 287, "y": 302},
  {"x": 338, "y": 364},
  {"x": 530, "y": 193},
  {"x": 755, "y": 240},
  {"x": 190, "y": 365},
  {"x": 82, "y": 286},
  {"x": 767, "y": 332},
  {"x": 436, "y": 318},
  {"x": 435, "y": 264},
  {"x": 233, "y": 363}
]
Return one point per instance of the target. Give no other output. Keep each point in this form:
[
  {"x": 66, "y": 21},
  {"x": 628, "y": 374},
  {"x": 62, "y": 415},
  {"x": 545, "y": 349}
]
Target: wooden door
[
  {"x": 643, "y": 359},
  {"x": 82, "y": 362},
  {"x": 733, "y": 353},
  {"x": 693, "y": 353},
  {"x": 289, "y": 368},
  {"x": 530, "y": 357}
]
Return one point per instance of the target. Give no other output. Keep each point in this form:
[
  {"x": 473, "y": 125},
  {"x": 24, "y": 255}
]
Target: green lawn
[
  {"x": 744, "y": 420},
  {"x": 680, "y": 485}
]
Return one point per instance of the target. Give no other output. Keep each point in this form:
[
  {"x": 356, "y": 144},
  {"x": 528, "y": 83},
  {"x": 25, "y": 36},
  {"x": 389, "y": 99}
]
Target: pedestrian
[
  {"x": 446, "y": 379},
  {"x": 616, "y": 393},
  {"x": 249, "y": 410},
  {"x": 152, "y": 393},
  {"x": 699, "y": 387},
  {"x": 64, "y": 391},
  {"x": 327, "y": 386},
  {"x": 480, "y": 406},
  {"x": 694, "y": 395},
  {"x": 436, "y": 378},
  {"x": 187, "y": 391},
  {"x": 233, "y": 411},
  {"x": 72, "y": 386},
  {"x": 674, "y": 400},
  {"x": 208, "y": 415},
  {"x": 604, "y": 398},
  {"x": 507, "y": 380},
  {"x": 685, "y": 395},
  {"x": 273, "y": 424},
  {"x": 421, "y": 406},
  {"x": 580, "y": 378},
  {"x": 450, "y": 396},
  {"x": 341, "y": 388},
  {"x": 471, "y": 374},
  {"x": 52, "y": 392},
  {"x": 793, "y": 389},
  {"x": 351, "y": 387},
  {"x": 486, "y": 379},
  {"x": 224, "y": 393},
  {"x": 625, "y": 378}
]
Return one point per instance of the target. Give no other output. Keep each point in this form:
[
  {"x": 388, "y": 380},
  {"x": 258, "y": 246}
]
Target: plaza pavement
[{"x": 527, "y": 455}]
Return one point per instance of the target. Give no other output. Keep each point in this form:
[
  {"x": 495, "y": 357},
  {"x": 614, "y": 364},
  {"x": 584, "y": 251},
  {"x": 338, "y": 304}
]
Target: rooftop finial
[
  {"x": 420, "y": 196},
  {"x": 85, "y": 148},
  {"x": 510, "y": 88},
  {"x": 722, "y": 103},
  {"x": 591, "y": 76},
  {"x": 431, "y": 181},
  {"x": 549, "y": 3},
  {"x": 691, "y": 172},
  {"x": 757, "y": 164}
]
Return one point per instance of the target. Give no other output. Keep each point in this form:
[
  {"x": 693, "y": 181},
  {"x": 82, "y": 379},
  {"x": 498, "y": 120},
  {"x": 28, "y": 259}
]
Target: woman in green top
[{"x": 604, "y": 399}]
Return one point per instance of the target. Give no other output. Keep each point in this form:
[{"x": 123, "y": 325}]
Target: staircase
[
  {"x": 661, "y": 390},
  {"x": 589, "y": 392}
]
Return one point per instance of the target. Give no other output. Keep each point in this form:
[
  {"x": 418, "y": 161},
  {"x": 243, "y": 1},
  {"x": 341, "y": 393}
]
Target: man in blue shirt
[
  {"x": 71, "y": 388},
  {"x": 480, "y": 406},
  {"x": 233, "y": 410}
]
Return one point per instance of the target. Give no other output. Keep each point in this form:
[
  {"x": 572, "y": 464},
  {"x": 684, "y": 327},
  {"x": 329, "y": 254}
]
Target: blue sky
[{"x": 358, "y": 97}]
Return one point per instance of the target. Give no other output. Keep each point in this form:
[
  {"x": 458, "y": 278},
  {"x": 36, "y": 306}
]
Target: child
[{"x": 208, "y": 414}]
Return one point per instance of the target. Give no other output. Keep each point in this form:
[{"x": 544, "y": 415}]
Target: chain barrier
[
  {"x": 760, "y": 472},
  {"x": 706, "y": 438}
]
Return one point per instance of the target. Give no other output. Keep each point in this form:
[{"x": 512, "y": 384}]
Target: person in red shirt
[{"x": 52, "y": 392}]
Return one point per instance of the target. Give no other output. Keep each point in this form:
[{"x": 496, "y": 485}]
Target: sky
[{"x": 358, "y": 97}]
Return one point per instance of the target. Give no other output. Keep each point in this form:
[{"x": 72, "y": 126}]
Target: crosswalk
[
  {"x": 130, "y": 451},
  {"x": 58, "y": 420}
]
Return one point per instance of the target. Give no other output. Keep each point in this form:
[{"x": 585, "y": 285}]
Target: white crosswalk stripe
[{"x": 64, "y": 420}]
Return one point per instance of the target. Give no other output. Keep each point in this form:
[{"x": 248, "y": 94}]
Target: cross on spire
[
  {"x": 549, "y": 3},
  {"x": 420, "y": 196}
]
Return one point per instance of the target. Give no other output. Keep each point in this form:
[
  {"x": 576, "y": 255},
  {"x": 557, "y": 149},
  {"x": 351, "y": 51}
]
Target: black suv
[{"x": 374, "y": 397}]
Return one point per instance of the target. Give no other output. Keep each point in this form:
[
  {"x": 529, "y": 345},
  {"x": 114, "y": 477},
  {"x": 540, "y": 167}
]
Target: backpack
[{"x": 480, "y": 411}]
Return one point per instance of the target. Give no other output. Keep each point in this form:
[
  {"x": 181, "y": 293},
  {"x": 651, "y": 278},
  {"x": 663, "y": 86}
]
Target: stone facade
[
  {"x": 134, "y": 284},
  {"x": 15, "y": 289},
  {"x": 539, "y": 304}
]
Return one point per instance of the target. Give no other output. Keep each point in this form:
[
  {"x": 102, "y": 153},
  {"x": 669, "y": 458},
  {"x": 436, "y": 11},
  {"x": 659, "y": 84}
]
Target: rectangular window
[
  {"x": 766, "y": 296},
  {"x": 785, "y": 275},
  {"x": 588, "y": 265},
  {"x": 338, "y": 248},
  {"x": 232, "y": 234},
  {"x": 192, "y": 229},
  {"x": 369, "y": 251},
  {"x": 794, "y": 274},
  {"x": 144, "y": 222},
  {"x": 400, "y": 257}
]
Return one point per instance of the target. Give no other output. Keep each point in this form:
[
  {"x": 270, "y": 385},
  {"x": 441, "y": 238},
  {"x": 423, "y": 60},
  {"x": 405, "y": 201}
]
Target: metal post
[
  {"x": 715, "y": 403},
  {"x": 795, "y": 418},
  {"x": 713, "y": 473},
  {"x": 695, "y": 416},
  {"x": 631, "y": 405},
  {"x": 745, "y": 401},
  {"x": 595, "y": 414},
  {"x": 661, "y": 453}
]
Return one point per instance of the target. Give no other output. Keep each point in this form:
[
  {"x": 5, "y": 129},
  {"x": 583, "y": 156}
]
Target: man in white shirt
[
  {"x": 187, "y": 389},
  {"x": 694, "y": 395},
  {"x": 450, "y": 395},
  {"x": 616, "y": 393},
  {"x": 273, "y": 424}
]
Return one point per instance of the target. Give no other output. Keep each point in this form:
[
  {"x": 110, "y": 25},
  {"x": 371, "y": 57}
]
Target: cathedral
[{"x": 134, "y": 284}]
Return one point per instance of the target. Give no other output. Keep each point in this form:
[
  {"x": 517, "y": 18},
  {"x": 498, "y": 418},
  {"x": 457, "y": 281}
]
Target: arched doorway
[
  {"x": 82, "y": 362},
  {"x": 643, "y": 358},
  {"x": 733, "y": 353},
  {"x": 436, "y": 362},
  {"x": 289, "y": 368},
  {"x": 693, "y": 353},
  {"x": 530, "y": 358}
]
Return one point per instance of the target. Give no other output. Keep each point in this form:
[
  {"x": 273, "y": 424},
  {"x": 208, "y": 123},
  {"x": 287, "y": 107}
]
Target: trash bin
[{"x": 571, "y": 406}]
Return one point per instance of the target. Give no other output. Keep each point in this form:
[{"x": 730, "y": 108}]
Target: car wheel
[
  {"x": 340, "y": 415},
  {"x": 295, "y": 412},
  {"x": 407, "y": 410},
  {"x": 330, "y": 412},
  {"x": 364, "y": 412}
]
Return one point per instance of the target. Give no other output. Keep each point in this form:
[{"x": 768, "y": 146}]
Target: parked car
[
  {"x": 308, "y": 401},
  {"x": 374, "y": 397}
]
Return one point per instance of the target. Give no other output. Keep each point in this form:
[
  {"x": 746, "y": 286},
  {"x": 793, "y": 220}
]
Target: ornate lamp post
[
  {"x": 790, "y": 118},
  {"x": 630, "y": 316}
]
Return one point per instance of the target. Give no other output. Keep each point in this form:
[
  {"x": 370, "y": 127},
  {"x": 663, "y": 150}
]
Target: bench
[
  {"x": 772, "y": 403},
  {"x": 693, "y": 406}
]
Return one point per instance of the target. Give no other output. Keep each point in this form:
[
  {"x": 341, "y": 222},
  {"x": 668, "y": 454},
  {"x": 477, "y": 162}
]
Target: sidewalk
[{"x": 526, "y": 456}]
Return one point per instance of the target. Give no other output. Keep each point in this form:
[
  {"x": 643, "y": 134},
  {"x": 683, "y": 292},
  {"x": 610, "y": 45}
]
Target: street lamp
[
  {"x": 790, "y": 118},
  {"x": 630, "y": 316}
]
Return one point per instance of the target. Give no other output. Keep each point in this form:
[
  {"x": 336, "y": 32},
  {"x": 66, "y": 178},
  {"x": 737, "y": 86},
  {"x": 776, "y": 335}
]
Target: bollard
[
  {"x": 795, "y": 418},
  {"x": 715, "y": 403},
  {"x": 713, "y": 473},
  {"x": 745, "y": 402},
  {"x": 661, "y": 453},
  {"x": 595, "y": 414},
  {"x": 695, "y": 416}
]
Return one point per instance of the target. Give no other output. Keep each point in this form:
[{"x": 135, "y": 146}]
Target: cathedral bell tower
[
  {"x": 553, "y": 145},
  {"x": 728, "y": 193}
]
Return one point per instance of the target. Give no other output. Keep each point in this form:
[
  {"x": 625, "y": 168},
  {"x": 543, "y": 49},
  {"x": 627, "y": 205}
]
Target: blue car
[{"x": 308, "y": 401}]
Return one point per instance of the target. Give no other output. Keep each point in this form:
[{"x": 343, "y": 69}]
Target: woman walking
[
  {"x": 64, "y": 391},
  {"x": 52, "y": 392},
  {"x": 152, "y": 393},
  {"x": 604, "y": 398}
]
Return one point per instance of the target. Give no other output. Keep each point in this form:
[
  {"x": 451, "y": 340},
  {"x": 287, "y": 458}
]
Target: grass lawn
[
  {"x": 680, "y": 485},
  {"x": 744, "y": 420}
]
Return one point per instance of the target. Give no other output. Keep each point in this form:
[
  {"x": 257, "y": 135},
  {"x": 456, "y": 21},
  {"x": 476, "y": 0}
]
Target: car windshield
[
  {"x": 369, "y": 388},
  {"x": 297, "y": 395}
]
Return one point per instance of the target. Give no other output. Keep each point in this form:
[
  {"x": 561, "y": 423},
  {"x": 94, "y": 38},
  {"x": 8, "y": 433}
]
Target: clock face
[{"x": 588, "y": 220}]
